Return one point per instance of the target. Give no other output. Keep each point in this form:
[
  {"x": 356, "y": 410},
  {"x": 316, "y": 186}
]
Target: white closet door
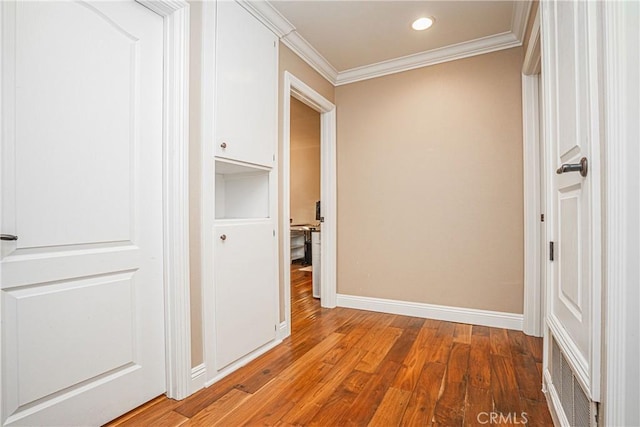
[
  {"x": 245, "y": 296},
  {"x": 246, "y": 87},
  {"x": 82, "y": 286},
  {"x": 572, "y": 117}
]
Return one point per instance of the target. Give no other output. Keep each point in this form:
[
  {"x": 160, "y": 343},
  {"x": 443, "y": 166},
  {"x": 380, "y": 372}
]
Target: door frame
[
  {"x": 175, "y": 190},
  {"x": 621, "y": 62},
  {"x": 295, "y": 87},
  {"x": 533, "y": 170}
]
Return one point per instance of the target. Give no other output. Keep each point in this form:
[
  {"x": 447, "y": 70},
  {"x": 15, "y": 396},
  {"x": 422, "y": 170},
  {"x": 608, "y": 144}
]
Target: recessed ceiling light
[{"x": 422, "y": 23}]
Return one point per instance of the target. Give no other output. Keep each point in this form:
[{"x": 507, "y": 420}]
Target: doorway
[
  {"x": 297, "y": 92},
  {"x": 304, "y": 201}
]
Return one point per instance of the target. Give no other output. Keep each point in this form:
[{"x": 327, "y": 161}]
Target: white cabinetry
[
  {"x": 243, "y": 238},
  {"x": 245, "y": 290},
  {"x": 246, "y": 86}
]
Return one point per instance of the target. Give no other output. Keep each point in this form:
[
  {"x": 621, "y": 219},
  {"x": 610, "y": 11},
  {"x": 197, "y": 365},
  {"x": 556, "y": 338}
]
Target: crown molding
[
  {"x": 431, "y": 57},
  {"x": 520, "y": 17},
  {"x": 286, "y": 31},
  {"x": 269, "y": 16},
  {"x": 311, "y": 56}
]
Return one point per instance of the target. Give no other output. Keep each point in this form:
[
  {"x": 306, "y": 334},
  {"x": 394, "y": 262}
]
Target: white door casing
[
  {"x": 83, "y": 137},
  {"x": 572, "y": 117},
  {"x": 295, "y": 87},
  {"x": 621, "y": 346}
]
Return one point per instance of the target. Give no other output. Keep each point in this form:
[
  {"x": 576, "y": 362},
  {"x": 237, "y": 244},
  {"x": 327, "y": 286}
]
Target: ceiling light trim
[{"x": 475, "y": 47}]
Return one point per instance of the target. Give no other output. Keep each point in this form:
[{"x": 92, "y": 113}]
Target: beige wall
[
  {"x": 430, "y": 185},
  {"x": 289, "y": 61},
  {"x": 194, "y": 183},
  {"x": 305, "y": 162}
]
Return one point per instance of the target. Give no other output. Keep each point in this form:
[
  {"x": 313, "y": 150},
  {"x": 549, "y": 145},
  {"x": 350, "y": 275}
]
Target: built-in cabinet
[
  {"x": 244, "y": 229},
  {"x": 246, "y": 87},
  {"x": 245, "y": 295}
]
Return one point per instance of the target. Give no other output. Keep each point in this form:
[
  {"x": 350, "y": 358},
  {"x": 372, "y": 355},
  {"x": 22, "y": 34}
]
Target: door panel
[
  {"x": 245, "y": 295},
  {"x": 571, "y": 121},
  {"x": 82, "y": 287},
  {"x": 102, "y": 320},
  {"x": 91, "y": 139}
]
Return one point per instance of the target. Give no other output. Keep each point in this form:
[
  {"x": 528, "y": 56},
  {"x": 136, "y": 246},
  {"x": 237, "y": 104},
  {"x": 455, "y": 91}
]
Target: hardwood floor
[{"x": 350, "y": 367}]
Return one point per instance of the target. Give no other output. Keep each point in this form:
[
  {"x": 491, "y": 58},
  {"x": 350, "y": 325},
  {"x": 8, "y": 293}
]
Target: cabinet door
[
  {"x": 246, "y": 87},
  {"x": 245, "y": 289}
]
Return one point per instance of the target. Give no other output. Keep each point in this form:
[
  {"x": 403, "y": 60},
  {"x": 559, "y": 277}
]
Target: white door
[
  {"x": 245, "y": 283},
  {"x": 246, "y": 87},
  {"x": 572, "y": 133},
  {"x": 82, "y": 286}
]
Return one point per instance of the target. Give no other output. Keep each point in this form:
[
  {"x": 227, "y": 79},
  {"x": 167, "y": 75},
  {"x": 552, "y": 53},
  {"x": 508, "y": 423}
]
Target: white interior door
[
  {"x": 245, "y": 296},
  {"x": 571, "y": 120},
  {"x": 82, "y": 286}
]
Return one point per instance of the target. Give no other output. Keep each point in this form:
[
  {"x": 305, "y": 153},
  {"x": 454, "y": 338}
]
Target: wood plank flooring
[{"x": 349, "y": 367}]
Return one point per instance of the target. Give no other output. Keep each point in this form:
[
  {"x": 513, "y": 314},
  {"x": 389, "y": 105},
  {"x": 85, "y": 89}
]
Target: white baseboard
[
  {"x": 198, "y": 378},
  {"x": 472, "y": 316}
]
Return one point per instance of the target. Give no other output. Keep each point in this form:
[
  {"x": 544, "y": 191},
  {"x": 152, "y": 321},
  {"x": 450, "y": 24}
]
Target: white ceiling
[
  {"x": 351, "y": 40},
  {"x": 351, "y": 34}
]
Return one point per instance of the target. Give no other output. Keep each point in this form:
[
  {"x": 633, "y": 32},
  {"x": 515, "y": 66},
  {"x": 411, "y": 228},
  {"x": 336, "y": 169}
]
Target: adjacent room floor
[{"x": 351, "y": 367}]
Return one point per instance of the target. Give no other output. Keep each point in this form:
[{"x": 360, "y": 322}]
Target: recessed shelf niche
[{"x": 242, "y": 191}]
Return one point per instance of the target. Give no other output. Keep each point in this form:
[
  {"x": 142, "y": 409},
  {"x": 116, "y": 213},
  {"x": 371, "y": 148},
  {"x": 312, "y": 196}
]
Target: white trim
[
  {"x": 520, "y": 17},
  {"x": 621, "y": 64},
  {"x": 282, "y": 331},
  {"x": 198, "y": 377},
  {"x": 533, "y": 324},
  {"x": 532, "y": 57},
  {"x": 207, "y": 174},
  {"x": 176, "y": 193},
  {"x": 328, "y": 192},
  {"x": 595, "y": 257},
  {"x": 553, "y": 400},
  {"x": 454, "y": 52},
  {"x": 472, "y": 316},
  {"x": 311, "y": 56},
  {"x": 264, "y": 12}
]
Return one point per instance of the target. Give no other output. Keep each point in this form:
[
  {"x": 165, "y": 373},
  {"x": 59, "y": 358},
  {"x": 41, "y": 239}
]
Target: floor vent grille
[{"x": 576, "y": 405}]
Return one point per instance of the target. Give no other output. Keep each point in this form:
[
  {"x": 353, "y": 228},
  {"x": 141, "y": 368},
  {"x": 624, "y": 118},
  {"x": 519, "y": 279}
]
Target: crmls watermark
[{"x": 500, "y": 418}]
